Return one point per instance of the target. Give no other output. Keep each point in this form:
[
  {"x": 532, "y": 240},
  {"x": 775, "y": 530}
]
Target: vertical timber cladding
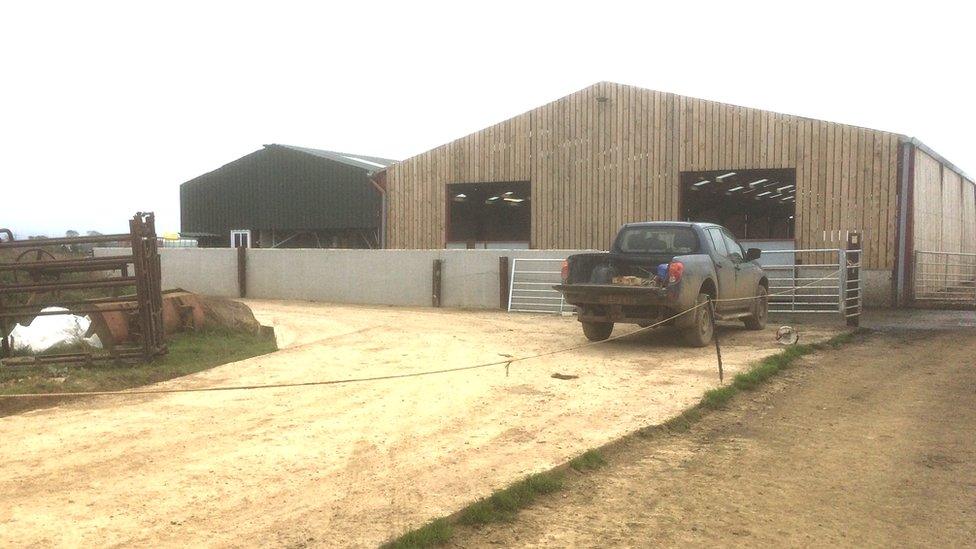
[
  {"x": 944, "y": 211},
  {"x": 611, "y": 154}
]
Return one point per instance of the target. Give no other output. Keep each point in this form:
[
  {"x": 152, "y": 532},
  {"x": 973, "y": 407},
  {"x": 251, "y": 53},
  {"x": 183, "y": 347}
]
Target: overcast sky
[{"x": 106, "y": 107}]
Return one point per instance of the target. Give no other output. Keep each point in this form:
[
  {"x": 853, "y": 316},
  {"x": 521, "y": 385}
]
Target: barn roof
[
  {"x": 284, "y": 187},
  {"x": 368, "y": 163}
]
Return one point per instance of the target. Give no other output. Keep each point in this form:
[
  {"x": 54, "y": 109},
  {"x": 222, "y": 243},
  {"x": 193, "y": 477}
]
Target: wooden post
[
  {"x": 503, "y": 282},
  {"x": 138, "y": 245},
  {"x": 852, "y": 295},
  {"x": 242, "y": 271},
  {"x": 4, "y": 343},
  {"x": 718, "y": 349},
  {"x": 436, "y": 278}
]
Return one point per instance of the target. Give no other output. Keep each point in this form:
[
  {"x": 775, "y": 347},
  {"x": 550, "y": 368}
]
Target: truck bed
[{"x": 616, "y": 294}]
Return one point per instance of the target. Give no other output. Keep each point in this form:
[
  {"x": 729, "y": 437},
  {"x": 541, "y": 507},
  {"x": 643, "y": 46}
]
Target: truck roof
[{"x": 670, "y": 224}]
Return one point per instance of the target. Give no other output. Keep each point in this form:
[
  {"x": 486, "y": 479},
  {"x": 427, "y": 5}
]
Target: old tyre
[
  {"x": 597, "y": 331},
  {"x": 760, "y": 310},
  {"x": 699, "y": 333}
]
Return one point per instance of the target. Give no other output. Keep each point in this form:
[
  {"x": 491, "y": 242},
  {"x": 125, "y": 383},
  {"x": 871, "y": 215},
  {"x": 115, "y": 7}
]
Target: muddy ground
[
  {"x": 873, "y": 445},
  {"x": 342, "y": 465}
]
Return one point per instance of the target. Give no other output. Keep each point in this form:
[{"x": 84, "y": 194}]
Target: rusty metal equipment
[{"x": 38, "y": 279}]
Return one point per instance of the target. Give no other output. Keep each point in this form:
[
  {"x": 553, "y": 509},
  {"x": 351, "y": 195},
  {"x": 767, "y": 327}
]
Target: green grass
[
  {"x": 718, "y": 397},
  {"x": 589, "y": 460},
  {"x": 189, "y": 352},
  {"x": 431, "y": 534},
  {"x": 503, "y": 505},
  {"x": 679, "y": 423},
  {"x": 768, "y": 367}
]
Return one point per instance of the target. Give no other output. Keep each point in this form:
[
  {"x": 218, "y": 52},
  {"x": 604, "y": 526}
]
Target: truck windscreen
[{"x": 657, "y": 240}]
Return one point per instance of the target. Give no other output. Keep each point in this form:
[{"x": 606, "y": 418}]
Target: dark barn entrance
[
  {"x": 753, "y": 204},
  {"x": 489, "y": 215}
]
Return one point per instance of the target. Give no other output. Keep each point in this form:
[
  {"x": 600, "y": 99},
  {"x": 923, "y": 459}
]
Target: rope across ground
[
  {"x": 506, "y": 363},
  {"x": 282, "y": 466}
]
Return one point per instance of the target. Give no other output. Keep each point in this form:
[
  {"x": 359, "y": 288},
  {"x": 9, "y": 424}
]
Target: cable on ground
[{"x": 506, "y": 362}]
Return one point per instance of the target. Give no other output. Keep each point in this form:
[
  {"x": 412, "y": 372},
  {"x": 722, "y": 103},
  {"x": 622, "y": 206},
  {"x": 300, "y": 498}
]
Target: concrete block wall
[
  {"x": 469, "y": 278},
  {"x": 207, "y": 271}
]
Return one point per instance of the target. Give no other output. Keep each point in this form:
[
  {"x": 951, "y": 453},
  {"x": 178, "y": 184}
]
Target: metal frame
[
  {"x": 824, "y": 288},
  {"x": 830, "y": 287},
  {"x": 944, "y": 277},
  {"x": 45, "y": 277},
  {"x": 531, "y": 291}
]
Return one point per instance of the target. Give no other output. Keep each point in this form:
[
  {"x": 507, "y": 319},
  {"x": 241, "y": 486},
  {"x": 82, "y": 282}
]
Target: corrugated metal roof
[
  {"x": 281, "y": 187},
  {"x": 369, "y": 163}
]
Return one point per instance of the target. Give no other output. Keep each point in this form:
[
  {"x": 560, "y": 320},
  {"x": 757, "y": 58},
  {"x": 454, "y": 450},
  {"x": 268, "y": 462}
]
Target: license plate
[{"x": 613, "y": 299}]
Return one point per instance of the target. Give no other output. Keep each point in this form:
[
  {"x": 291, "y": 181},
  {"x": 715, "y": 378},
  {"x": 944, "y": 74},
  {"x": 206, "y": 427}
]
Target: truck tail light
[
  {"x": 675, "y": 270},
  {"x": 564, "y": 271}
]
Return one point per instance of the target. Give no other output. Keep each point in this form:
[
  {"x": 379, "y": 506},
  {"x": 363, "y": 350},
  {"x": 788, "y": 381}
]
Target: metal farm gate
[
  {"x": 530, "y": 286},
  {"x": 946, "y": 279},
  {"x": 806, "y": 281},
  {"x": 815, "y": 281}
]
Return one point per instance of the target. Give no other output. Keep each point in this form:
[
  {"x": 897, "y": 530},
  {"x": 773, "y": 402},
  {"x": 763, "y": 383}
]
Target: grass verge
[
  {"x": 503, "y": 505},
  {"x": 189, "y": 352},
  {"x": 766, "y": 368},
  {"x": 436, "y": 532},
  {"x": 589, "y": 460}
]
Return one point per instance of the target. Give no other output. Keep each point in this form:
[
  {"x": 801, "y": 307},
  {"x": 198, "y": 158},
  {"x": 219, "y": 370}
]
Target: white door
[{"x": 240, "y": 238}]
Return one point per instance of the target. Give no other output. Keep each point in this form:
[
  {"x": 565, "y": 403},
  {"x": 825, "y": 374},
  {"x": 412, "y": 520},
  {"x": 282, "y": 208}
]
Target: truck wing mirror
[{"x": 753, "y": 254}]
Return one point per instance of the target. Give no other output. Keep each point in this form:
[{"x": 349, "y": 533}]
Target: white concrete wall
[
  {"x": 207, "y": 271},
  {"x": 469, "y": 278},
  {"x": 373, "y": 277}
]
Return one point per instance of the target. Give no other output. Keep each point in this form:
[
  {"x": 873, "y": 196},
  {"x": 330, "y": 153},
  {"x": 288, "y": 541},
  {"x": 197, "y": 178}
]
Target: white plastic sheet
[{"x": 53, "y": 332}]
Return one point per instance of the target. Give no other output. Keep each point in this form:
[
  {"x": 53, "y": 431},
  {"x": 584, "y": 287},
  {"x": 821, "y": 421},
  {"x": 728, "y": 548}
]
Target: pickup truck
[{"x": 656, "y": 270}]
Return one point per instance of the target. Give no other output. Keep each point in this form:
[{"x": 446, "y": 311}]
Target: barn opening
[
  {"x": 753, "y": 204},
  {"x": 489, "y": 215}
]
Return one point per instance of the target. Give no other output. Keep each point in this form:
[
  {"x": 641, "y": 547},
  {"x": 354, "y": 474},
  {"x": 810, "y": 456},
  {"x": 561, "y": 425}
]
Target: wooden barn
[
  {"x": 285, "y": 196},
  {"x": 567, "y": 174}
]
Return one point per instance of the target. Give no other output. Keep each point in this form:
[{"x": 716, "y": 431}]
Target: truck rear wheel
[
  {"x": 760, "y": 310},
  {"x": 597, "y": 331},
  {"x": 700, "y": 332}
]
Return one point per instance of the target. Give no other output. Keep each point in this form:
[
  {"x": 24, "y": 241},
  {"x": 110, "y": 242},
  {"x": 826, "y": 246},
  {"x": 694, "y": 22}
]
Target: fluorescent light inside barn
[
  {"x": 700, "y": 183},
  {"x": 723, "y": 176},
  {"x": 781, "y": 189},
  {"x": 764, "y": 193},
  {"x": 733, "y": 189},
  {"x": 754, "y": 183}
]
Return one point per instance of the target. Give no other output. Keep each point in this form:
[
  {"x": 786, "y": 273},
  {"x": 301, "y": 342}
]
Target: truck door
[
  {"x": 746, "y": 272},
  {"x": 724, "y": 269}
]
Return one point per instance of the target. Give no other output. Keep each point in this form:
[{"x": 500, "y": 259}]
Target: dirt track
[
  {"x": 347, "y": 464},
  {"x": 870, "y": 446}
]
